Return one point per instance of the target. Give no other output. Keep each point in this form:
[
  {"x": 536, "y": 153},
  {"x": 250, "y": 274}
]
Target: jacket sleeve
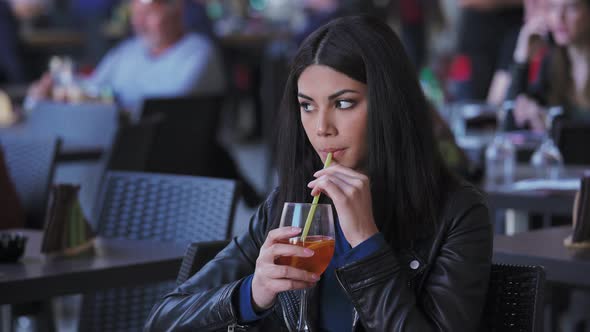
[
  {"x": 453, "y": 292},
  {"x": 538, "y": 89},
  {"x": 206, "y": 302}
]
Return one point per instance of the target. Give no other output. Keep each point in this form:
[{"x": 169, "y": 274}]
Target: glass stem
[{"x": 303, "y": 324}]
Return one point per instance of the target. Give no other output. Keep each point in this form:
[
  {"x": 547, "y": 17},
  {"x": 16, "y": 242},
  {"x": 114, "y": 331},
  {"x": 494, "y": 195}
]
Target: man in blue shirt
[{"x": 162, "y": 60}]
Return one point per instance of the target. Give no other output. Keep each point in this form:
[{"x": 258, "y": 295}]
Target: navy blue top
[{"x": 335, "y": 306}]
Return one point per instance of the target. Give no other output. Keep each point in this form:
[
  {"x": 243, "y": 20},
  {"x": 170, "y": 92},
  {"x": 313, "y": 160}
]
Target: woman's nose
[{"x": 324, "y": 125}]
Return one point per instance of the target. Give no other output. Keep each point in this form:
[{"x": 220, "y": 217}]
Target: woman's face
[
  {"x": 569, "y": 21},
  {"x": 333, "y": 110}
]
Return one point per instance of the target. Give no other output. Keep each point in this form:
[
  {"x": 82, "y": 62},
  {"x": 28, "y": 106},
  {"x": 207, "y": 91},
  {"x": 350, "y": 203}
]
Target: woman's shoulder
[{"x": 462, "y": 198}]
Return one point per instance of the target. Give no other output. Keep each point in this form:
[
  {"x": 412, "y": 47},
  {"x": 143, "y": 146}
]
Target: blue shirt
[
  {"x": 190, "y": 66},
  {"x": 335, "y": 307}
]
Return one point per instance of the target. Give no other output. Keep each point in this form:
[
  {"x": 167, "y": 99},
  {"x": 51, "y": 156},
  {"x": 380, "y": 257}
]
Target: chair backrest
[
  {"x": 169, "y": 208},
  {"x": 165, "y": 207},
  {"x": 78, "y": 125},
  {"x": 196, "y": 256},
  {"x": 570, "y": 137},
  {"x": 514, "y": 300},
  {"x": 31, "y": 163},
  {"x": 133, "y": 144},
  {"x": 187, "y": 134}
]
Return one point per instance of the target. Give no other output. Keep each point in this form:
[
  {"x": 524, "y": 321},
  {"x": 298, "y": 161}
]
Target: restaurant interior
[{"x": 138, "y": 137}]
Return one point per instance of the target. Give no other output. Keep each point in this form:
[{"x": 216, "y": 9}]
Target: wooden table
[
  {"x": 548, "y": 203},
  {"x": 117, "y": 263},
  {"x": 544, "y": 201},
  {"x": 545, "y": 247}
]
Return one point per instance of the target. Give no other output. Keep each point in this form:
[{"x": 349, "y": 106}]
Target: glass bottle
[
  {"x": 547, "y": 159},
  {"x": 500, "y": 154}
]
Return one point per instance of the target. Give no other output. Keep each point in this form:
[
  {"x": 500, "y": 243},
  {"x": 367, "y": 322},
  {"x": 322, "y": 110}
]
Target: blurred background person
[
  {"x": 487, "y": 34},
  {"x": 90, "y": 15},
  {"x": 317, "y": 13},
  {"x": 415, "y": 21},
  {"x": 11, "y": 65},
  {"x": 562, "y": 79},
  {"x": 161, "y": 60},
  {"x": 196, "y": 18}
]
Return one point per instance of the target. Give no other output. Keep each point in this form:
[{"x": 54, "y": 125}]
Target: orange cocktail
[{"x": 323, "y": 247}]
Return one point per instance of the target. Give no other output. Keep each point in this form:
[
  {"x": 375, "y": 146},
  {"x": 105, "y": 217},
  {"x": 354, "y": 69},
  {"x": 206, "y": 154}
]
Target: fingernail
[
  {"x": 315, "y": 276},
  {"x": 295, "y": 229},
  {"x": 309, "y": 252}
]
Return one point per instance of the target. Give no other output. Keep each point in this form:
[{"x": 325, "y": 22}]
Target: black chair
[
  {"x": 196, "y": 256},
  {"x": 133, "y": 144},
  {"x": 86, "y": 129},
  {"x": 166, "y": 208},
  {"x": 515, "y": 299},
  {"x": 570, "y": 137},
  {"x": 31, "y": 164},
  {"x": 185, "y": 141}
]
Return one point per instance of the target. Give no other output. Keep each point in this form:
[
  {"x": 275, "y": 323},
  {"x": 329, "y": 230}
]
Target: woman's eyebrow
[
  {"x": 330, "y": 97},
  {"x": 304, "y": 96},
  {"x": 341, "y": 92}
]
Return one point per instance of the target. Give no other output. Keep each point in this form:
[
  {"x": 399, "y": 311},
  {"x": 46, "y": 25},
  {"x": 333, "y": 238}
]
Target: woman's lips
[{"x": 336, "y": 153}]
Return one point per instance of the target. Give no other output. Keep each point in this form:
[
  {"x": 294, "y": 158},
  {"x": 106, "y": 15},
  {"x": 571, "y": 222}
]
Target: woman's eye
[
  {"x": 344, "y": 104},
  {"x": 306, "y": 107}
]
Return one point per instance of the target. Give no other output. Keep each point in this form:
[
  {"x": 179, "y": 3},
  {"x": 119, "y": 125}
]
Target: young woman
[
  {"x": 413, "y": 244},
  {"x": 563, "y": 76}
]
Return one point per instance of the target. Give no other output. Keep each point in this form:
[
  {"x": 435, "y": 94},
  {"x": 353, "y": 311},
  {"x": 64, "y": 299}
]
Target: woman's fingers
[
  {"x": 278, "y": 249},
  {"x": 337, "y": 168},
  {"x": 288, "y": 272},
  {"x": 279, "y": 234},
  {"x": 347, "y": 180},
  {"x": 331, "y": 186}
]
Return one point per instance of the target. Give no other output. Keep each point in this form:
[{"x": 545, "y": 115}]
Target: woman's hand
[
  {"x": 528, "y": 111},
  {"x": 526, "y": 45},
  {"x": 351, "y": 193},
  {"x": 271, "y": 279}
]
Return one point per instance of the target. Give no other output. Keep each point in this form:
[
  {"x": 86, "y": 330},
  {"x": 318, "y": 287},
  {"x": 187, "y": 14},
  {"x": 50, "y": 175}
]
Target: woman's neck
[
  {"x": 578, "y": 53},
  {"x": 579, "y": 56}
]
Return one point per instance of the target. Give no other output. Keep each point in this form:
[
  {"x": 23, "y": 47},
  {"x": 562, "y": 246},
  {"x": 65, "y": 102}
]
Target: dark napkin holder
[
  {"x": 67, "y": 231},
  {"x": 580, "y": 237}
]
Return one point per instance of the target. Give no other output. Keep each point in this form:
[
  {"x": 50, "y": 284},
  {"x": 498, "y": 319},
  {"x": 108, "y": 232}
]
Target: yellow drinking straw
[{"x": 314, "y": 203}]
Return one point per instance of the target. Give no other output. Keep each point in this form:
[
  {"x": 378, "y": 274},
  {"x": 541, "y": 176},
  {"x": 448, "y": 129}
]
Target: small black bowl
[{"x": 12, "y": 247}]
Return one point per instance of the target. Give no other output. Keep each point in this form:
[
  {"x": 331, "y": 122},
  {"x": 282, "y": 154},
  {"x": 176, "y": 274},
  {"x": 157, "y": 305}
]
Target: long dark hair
[
  {"x": 563, "y": 90},
  {"x": 408, "y": 177}
]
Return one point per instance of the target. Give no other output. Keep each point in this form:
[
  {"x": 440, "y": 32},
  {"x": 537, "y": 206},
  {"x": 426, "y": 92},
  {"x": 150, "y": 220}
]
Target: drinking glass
[
  {"x": 320, "y": 239},
  {"x": 547, "y": 159}
]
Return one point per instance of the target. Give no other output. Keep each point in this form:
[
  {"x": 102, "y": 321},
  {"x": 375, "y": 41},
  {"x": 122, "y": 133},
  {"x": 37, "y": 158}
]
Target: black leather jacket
[{"x": 438, "y": 285}]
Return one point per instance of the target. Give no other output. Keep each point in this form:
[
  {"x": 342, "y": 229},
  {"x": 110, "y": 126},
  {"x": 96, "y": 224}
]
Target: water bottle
[{"x": 500, "y": 154}]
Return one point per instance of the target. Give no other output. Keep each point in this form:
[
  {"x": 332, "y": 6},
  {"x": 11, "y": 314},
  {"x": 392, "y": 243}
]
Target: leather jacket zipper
[
  {"x": 236, "y": 327},
  {"x": 355, "y": 315}
]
